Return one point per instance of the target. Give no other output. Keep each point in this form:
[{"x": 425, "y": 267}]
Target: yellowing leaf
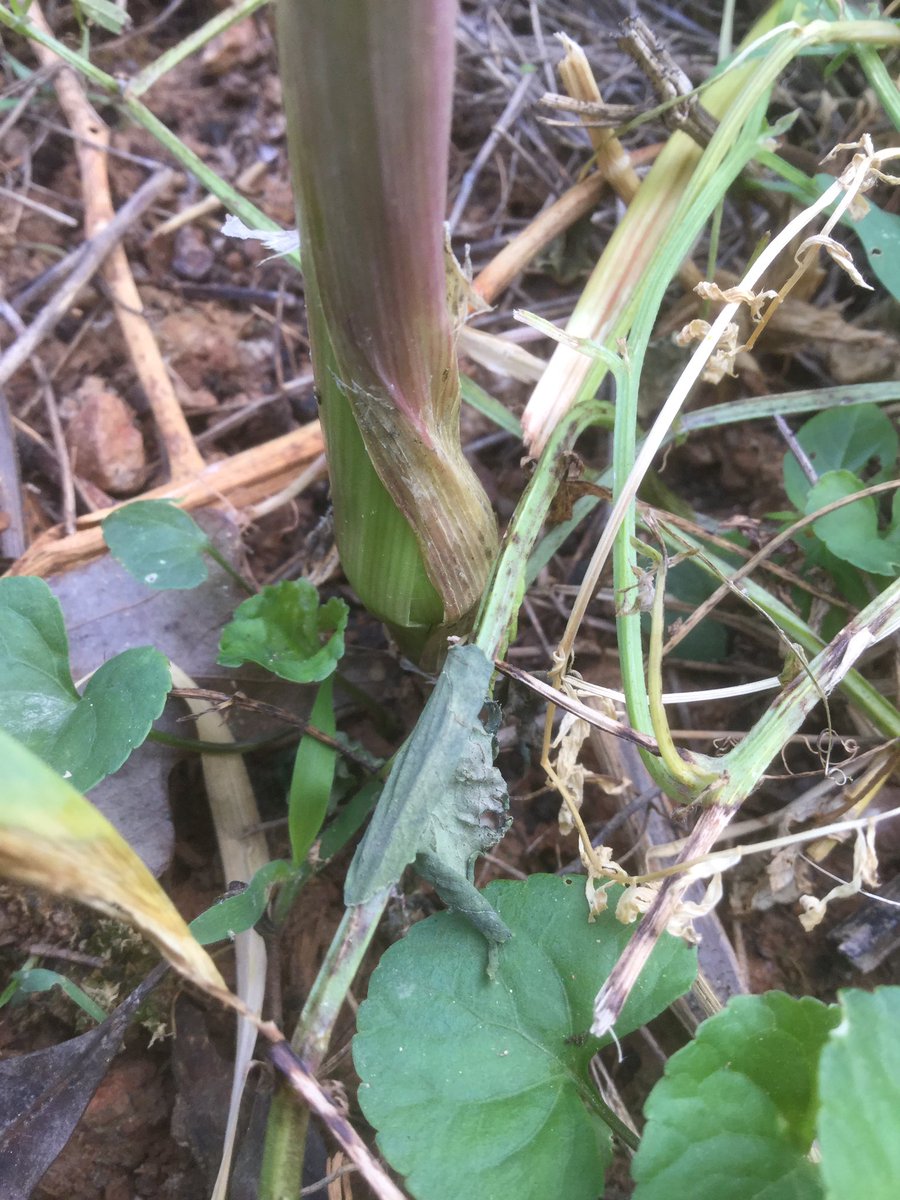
[{"x": 52, "y": 838}]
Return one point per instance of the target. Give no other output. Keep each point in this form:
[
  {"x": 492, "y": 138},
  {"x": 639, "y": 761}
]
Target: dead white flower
[
  {"x": 694, "y": 331},
  {"x": 681, "y": 923},
  {"x": 865, "y": 871},
  {"x": 634, "y": 902},
  {"x": 736, "y": 295},
  {"x": 282, "y": 241},
  {"x": 568, "y": 743},
  {"x": 839, "y": 254}
]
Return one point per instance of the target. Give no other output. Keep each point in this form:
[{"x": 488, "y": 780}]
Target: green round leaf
[
  {"x": 115, "y": 714},
  {"x": 735, "y": 1113},
  {"x": 286, "y": 630},
  {"x": 859, "y": 1079},
  {"x": 851, "y": 533},
  {"x": 841, "y": 439},
  {"x": 474, "y": 1085},
  {"x": 158, "y": 543},
  {"x": 84, "y": 737},
  {"x": 36, "y": 688}
]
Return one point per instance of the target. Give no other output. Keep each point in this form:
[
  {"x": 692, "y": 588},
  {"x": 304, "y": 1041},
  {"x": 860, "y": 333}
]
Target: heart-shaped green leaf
[
  {"x": 481, "y": 1087},
  {"x": 841, "y": 439},
  {"x": 286, "y": 630},
  {"x": 851, "y": 533},
  {"x": 859, "y": 1081},
  {"x": 735, "y": 1113},
  {"x": 85, "y": 737},
  {"x": 158, "y": 543}
]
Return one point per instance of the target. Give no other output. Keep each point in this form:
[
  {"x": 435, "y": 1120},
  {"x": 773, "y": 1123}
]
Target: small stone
[
  {"x": 105, "y": 443},
  {"x": 193, "y": 259}
]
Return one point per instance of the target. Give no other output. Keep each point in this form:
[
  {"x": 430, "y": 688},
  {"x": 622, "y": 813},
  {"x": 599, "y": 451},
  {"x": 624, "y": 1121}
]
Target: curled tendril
[
  {"x": 828, "y": 740},
  {"x": 722, "y": 745}
]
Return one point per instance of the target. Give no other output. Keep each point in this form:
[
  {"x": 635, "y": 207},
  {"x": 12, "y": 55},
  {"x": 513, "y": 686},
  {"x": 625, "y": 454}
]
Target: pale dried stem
[
  {"x": 571, "y": 206},
  {"x": 91, "y": 140},
  {"x": 505, "y": 266},
  {"x": 613, "y": 160},
  {"x": 242, "y": 479},
  {"x": 234, "y": 811},
  {"x": 612, "y": 996},
  {"x": 317, "y": 469},
  {"x": 669, "y": 412}
]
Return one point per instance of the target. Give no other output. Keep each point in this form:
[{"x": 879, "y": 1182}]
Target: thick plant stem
[
  {"x": 393, "y": 583},
  {"x": 287, "y": 1126},
  {"x": 370, "y": 175}
]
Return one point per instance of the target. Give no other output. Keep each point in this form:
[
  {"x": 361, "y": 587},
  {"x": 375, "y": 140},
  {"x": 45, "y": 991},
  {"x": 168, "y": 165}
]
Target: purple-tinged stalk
[{"x": 367, "y": 92}]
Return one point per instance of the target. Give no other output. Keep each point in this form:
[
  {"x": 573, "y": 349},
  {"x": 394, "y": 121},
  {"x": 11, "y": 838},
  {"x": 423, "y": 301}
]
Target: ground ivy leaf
[
  {"x": 84, "y": 738},
  {"x": 735, "y": 1112},
  {"x": 859, "y": 1082},
  {"x": 851, "y": 533},
  {"x": 841, "y": 439},
  {"x": 158, "y": 543},
  {"x": 120, "y": 703},
  {"x": 472, "y": 1084},
  {"x": 36, "y": 688},
  {"x": 286, "y": 630}
]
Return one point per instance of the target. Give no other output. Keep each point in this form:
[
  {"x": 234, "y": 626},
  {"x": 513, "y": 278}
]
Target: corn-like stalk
[{"x": 367, "y": 93}]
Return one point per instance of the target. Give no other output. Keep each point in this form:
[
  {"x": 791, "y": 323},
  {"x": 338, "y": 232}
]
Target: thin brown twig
[
  {"x": 786, "y": 576},
  {"x": 308, "y": 1088},
  {"x": 84, "y": 266},
  {"x": 223, "y": 699},
  {"x": 239, "y": 480},
  {"x": 590, "y": 715},
  {"x": 184, "y": 459},
  {"x": 61, "y": 450}
]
